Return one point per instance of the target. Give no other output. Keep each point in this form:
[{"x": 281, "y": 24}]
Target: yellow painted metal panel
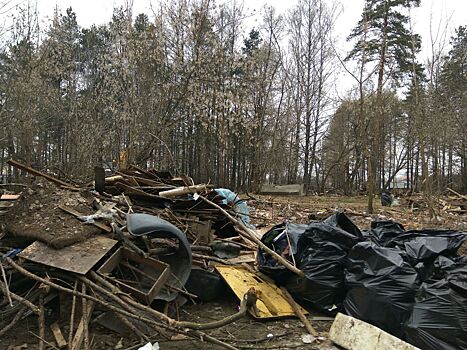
[{"x": 271, "y": 302}]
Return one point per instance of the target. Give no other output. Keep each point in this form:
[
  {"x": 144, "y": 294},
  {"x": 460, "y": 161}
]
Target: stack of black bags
[{"x": 411, "y": 284}]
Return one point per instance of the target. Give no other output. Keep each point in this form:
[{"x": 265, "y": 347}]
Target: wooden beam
[
  {"x": 35, "y": 172},
  {"x": 180, "y": 191}
]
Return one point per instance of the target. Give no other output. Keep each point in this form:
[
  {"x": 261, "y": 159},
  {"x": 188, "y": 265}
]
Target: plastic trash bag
[
  {"x": 384, "y": 231},
  {"x": 427, "y": 245},
  {"x": 321, "y": 254},
  {"x": 420, "y": 245},
  {"x": 381, "y": 286},
  {"x": 278, "y": 239},
  {"x": 439, "y": 317},
  {"x": 239, "y": 205},
  {"x": 386, "y": 199},
  {"x": 320, "y": 250}
]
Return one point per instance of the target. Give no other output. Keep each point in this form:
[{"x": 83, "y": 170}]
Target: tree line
[{"x": 190, "y": 88}]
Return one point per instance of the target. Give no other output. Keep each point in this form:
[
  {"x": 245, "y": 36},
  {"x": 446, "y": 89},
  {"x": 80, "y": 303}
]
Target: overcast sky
[
  {"x": 100, "y": 11},
  {"x": 436, "y": 12}
]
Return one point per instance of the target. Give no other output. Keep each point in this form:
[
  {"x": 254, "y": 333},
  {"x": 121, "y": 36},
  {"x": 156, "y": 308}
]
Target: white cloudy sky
[
  {"x": 436, "y": 12},
  {"x": 455, "y": 11}
]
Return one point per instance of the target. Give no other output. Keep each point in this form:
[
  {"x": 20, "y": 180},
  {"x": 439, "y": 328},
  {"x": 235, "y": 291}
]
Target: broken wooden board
[
  {"x": 57, "y": 333},
  {"x": 354, "y": 334},
  {"x": 9, "y": 197},
  {"x": 271, "y": 301},
  {"x": 245, "y": 257},
  {"x": 78, "y": 258}
]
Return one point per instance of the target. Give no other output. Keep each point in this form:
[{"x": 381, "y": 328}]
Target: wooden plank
[
  {"x": 35, "y": 172},
  {"x": 77, "y": 214},
  {"x": 180, "y": 191},
  {"x": 78, "y": 258},
  {"x": 354, "y": 334},
  {"x": 79, "y": 335},
  {"x": 9, "y": 197},
  {"x": 57, "y": 333}
]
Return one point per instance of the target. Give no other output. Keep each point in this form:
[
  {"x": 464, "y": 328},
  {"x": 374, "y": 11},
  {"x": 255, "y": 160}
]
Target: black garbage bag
[
  {"x": 321, "y": 254},
  {"x": 422, "y": 246},
  {"x": 439, "y": 317},
  {"x": 384, "y": 231},
  {"x": 278, "y": 239},
  {"x": 386, "y": 199},
  {"x": 381, "y": 286},
  {"x": 342, "y": 221},
  {"x": 205, "y": 284},
  {"x": 427, "y": 245}
]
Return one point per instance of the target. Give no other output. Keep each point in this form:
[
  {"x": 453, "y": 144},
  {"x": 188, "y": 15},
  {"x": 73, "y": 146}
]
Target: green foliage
[
  {"x": 383, "y": 27},
  {"x": 251, "y": 43},
  {"x": 454, "y": 70}
]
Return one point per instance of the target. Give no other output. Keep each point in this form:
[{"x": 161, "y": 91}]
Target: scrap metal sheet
[
  {"x": 271, "y": 302},
  {"x": 78, "y": 258}
]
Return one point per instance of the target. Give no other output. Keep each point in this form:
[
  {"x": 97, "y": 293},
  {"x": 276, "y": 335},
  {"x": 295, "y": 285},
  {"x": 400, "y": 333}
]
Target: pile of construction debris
[
  {"x": 123, "y": 249},
  {"x": 129, "y": 250}
]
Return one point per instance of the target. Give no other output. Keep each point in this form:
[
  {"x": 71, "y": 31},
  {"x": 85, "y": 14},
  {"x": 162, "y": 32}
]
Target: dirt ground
[
  {"x": 271, "y": 210},
  {"x": 37, "y": 216},
  {"x": 249, "y": 333}
]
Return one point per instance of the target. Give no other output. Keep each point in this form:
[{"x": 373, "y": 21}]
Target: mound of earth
[{"x": 37, "y": 215}]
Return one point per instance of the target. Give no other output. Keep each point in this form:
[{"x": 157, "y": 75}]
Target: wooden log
[
  {"x": 180, "y": 191},
  {"x": 457, "y": 194},
  {"x": 114, "y": 178}
]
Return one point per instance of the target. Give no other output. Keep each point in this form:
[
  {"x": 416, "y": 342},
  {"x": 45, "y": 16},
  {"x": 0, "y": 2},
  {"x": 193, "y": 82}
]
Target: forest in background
[{"x": 186, "y": 88}]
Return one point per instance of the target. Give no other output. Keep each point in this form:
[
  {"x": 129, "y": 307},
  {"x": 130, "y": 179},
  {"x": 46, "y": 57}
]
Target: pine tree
[
  {"x": 383, "y": 38},
  {"x": 454, "y": 96}
]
